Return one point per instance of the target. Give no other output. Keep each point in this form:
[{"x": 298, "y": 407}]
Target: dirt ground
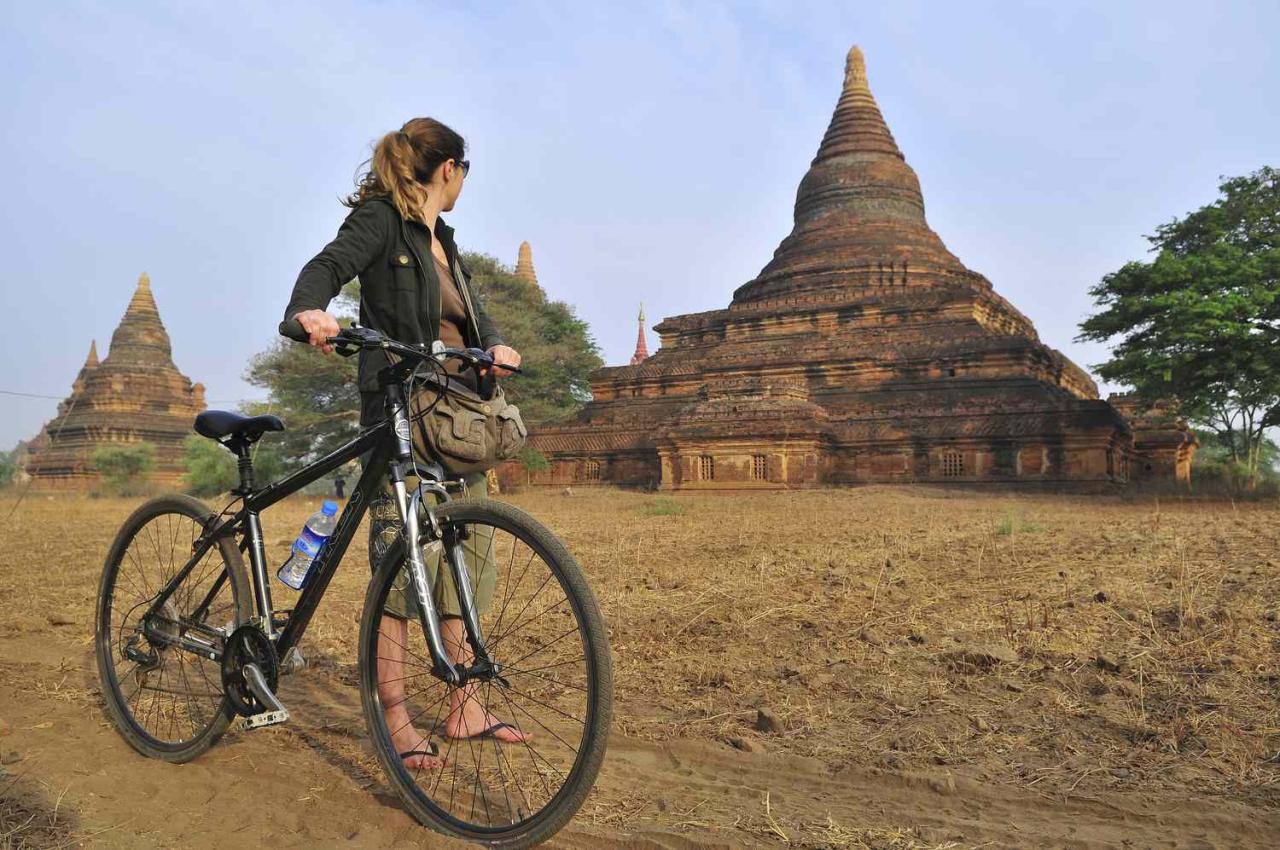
[{"x": 866, "y": 668}]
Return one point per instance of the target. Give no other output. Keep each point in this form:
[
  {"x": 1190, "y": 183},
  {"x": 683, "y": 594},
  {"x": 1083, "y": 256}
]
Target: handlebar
[{"x": 355, "y": 338}]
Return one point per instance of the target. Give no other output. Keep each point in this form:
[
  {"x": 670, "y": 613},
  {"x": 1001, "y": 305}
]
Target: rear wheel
[
  {"x": 167, "y": 701},
  {"x": 514, "y": 787}
]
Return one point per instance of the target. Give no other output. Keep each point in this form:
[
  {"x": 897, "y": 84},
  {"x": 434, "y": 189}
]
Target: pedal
[
  {"x": 258, "y": 686},
  {"x": 266, "y": 718},
  {"x": 292, "y": 662}
]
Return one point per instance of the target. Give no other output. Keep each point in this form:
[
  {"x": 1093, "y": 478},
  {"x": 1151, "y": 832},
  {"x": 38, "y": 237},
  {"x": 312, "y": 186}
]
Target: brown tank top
[{"x": 453, "y": 318}]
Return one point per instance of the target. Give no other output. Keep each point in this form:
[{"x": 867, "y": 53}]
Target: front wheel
[{"x": 504, "y": 761}]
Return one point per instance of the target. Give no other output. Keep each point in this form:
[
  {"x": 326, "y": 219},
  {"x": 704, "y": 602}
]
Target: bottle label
[{"x": 308, "y": 542}]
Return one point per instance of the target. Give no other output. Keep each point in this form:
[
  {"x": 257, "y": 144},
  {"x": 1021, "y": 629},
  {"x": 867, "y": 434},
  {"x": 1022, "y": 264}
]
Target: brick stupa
[
  {"x": 524, "y": 265},
  {"x": 863, "y": 351},
  {"x": 136, "y": 394}
]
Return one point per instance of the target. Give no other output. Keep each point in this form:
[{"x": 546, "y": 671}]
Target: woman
[{"x": 413, "y": 288}]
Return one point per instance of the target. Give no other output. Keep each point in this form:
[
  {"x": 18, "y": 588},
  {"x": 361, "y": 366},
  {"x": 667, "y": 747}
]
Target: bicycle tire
[
  {"x": 109, "y": 637},
  {"x": 592, "y": 633}
]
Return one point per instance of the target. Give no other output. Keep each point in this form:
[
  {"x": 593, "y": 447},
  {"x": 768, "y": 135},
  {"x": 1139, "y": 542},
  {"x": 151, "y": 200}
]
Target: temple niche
[
  {"x": 136, "y": 394},
  {"x": 863, "y": 351}
]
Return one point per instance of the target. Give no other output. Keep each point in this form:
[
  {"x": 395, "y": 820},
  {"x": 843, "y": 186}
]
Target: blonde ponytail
[{"x": 403, "y": 162}]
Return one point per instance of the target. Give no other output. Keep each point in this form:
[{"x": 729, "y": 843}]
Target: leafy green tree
[
  {"x": 8, "y": 467},
  {"x": 124, "y": 468},
  {"x": 1200, "y": 323},
  {"x": 532, "y": 461},
  {"x": 556, "y": 348}
]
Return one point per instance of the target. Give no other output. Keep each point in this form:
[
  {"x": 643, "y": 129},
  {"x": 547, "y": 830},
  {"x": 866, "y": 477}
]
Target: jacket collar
[{"x": 443, "y": 231}]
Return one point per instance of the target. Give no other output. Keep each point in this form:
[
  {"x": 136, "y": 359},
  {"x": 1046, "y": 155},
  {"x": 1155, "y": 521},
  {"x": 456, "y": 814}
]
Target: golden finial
[{"x": 855, "y": 69}]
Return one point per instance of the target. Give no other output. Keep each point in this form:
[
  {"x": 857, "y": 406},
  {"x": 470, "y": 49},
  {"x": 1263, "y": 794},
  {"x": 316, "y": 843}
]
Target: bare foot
[
  {"x": 406, "y": 738},
  {"x": 468, "y": 718}
]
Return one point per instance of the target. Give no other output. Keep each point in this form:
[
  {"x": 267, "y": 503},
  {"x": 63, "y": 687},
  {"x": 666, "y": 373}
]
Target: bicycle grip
[{"x": 292, "y": 328}]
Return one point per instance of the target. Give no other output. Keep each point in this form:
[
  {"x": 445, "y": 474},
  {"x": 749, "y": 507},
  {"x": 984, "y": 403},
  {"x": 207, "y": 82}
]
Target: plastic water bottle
[{"x": 317, "y": 530}]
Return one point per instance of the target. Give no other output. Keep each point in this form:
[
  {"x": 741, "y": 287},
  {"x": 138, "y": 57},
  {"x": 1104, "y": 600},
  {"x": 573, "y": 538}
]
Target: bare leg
[
  {"x": 467, "y": 714},
  {"x": 392, "y": 632}
]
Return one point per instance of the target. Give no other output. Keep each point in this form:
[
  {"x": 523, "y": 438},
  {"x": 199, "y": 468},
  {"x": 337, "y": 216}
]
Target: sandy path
[{"x": 304, "y": 785}]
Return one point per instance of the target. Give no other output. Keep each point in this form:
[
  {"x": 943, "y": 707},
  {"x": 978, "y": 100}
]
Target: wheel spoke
[
  {"x": 529, "y": 607},
  {"x": 177, "y": 702}
]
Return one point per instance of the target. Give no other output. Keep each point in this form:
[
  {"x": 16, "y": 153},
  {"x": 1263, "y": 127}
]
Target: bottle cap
[{"x": 329, "y": 508}]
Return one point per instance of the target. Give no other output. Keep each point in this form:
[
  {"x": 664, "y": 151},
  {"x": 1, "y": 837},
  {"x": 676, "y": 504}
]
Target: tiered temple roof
[
  {"x": 136, "y": 394},
  {"x": 863, "y": 351}
]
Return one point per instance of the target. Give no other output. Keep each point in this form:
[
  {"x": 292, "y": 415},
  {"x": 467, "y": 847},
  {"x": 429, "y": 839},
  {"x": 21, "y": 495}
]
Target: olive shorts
[{"x": 384, "y": 526}]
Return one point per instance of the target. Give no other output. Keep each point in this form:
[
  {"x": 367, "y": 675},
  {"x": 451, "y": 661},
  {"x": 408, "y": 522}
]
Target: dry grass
[
  {"x": 1068, "y": 644},
  {"x": 28, "y": 820}
]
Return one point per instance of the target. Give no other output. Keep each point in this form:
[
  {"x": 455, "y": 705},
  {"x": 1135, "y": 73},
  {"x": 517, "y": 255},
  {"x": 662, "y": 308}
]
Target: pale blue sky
[{"x": 647, "y": 151}]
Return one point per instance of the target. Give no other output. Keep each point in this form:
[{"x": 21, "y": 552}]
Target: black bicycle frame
[{"x": 392, "y": 453}]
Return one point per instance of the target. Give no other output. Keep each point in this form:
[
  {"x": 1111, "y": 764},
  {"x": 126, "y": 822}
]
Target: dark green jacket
[{"x": 399, "y": 287}]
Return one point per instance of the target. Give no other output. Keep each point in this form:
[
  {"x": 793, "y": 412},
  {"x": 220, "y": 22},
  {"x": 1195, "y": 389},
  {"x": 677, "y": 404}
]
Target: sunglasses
[{"x": 465, "y": 165}]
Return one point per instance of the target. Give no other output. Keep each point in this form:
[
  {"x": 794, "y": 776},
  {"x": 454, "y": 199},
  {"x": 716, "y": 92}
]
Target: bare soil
[{"x": 868, "y": 668}]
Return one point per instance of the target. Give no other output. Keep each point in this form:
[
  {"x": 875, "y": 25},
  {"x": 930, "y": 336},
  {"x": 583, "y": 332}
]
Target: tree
[
  {"x": 556, "y": 349},
  {"x": 532, "y": 460},
  {"x": 124, "y": 468},
  {"x": 8, "y": 466},
  {"x": 1200, "y": 324},
  {"x": 1216, "y": 460}
]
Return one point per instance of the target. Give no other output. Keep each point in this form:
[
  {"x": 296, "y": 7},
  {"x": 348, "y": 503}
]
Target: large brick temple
[
  {"x": 136, "y": 394},
  {"x": 864, "y": 351}
]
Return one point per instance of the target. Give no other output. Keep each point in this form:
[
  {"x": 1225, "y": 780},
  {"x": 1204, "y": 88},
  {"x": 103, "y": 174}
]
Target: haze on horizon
[{"x": 646, "y": 154}]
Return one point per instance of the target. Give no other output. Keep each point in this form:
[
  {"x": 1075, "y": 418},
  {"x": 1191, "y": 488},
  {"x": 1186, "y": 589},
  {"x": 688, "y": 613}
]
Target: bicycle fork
[{"x": 451, "y": 551}]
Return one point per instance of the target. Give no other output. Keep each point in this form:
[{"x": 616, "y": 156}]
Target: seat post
[{"x": 245, "y": 464}]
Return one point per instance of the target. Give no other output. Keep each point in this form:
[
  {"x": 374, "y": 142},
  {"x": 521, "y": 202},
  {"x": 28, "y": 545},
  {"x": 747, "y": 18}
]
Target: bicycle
[{"x": 187, "y": 639}]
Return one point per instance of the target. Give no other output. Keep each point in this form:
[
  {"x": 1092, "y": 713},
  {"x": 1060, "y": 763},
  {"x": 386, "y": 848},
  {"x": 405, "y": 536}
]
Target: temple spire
[
  {"x": 642, "y": 350},
  {"x": 524, "y": 265},
  {"x": 140, "y": 337},
  {"x": 90, "y": 364},
  {"x": 855, "y": 71},
  {"x": 859, "y": 214}
]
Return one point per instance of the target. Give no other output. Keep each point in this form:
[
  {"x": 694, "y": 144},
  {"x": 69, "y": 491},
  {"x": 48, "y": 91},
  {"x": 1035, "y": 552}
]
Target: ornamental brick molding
[
  {"x": 863, "y": 351},
  {"x": 136, "y": 394}
]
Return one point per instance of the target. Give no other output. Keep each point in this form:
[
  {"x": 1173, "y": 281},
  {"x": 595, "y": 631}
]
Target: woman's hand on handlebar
[
  {"x": 503, "y": 354},
  {"x": 319, "y": 325}
]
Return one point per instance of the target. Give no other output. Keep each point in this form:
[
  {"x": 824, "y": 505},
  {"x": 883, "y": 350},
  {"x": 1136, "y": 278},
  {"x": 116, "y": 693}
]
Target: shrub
[
  {"x": 211, "y": 469},
  {"x": 1012, "y": 523},
  {"x": 664, "y": 506},
  {"x": 126, "y": 468}
]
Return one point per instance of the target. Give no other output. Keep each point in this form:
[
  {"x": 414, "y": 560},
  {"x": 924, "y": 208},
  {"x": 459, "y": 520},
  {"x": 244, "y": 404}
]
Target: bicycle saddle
[{"x": 216, "y": 424}]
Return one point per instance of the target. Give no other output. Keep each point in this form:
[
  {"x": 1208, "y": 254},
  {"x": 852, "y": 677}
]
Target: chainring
[{"x": 248, "y": 645}]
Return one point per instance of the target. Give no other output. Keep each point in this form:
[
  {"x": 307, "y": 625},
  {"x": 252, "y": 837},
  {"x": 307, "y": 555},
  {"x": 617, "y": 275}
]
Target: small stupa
[
  {"x": 135, "y": 394},
  {"x": 524, "y": 265},
  {"x": 642, "y": 350}
]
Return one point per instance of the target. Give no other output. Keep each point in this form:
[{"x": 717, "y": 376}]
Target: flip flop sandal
[
  {"x": 432, "y": 750},
  {"x": 489, "y": 733}
]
